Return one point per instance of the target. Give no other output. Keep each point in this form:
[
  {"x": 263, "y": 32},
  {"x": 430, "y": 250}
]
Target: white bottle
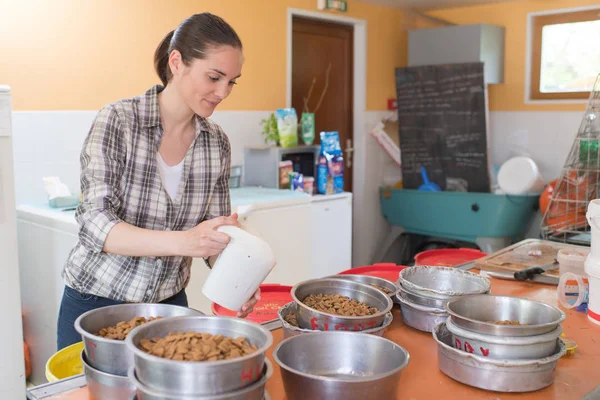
[
  {"x": 239, "y": 270},
  {"x": 592, "y": 263}
]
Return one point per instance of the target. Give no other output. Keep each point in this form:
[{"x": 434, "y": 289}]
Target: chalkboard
[{"x": 442, "y": 112}]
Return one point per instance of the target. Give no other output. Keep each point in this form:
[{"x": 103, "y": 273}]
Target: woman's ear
[{"x": 175, "y": 63}]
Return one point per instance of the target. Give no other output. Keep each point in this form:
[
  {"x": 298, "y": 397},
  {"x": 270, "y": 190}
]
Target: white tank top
[{"x": 170, "y": 175}]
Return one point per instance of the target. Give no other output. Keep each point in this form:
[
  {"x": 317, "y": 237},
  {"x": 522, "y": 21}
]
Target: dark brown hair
[{"x": 192, "y": 38}]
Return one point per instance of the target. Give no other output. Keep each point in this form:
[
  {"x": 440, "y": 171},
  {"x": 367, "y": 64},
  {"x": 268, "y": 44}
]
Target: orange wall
[
  {"x": 513, "y": 16},
  {"x": 79, "y": 55}
]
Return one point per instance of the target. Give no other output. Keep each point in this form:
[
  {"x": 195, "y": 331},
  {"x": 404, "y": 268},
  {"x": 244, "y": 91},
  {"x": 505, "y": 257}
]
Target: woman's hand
[
  {"x": 249, "y": 306},
  {"x": 204, "y": 241}
]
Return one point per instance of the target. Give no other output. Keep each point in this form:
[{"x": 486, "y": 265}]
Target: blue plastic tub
[{"x": 458, "y": 215}]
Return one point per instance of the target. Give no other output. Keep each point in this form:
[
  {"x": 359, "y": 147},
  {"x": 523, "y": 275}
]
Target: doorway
[{"x": 323, "y": 59}]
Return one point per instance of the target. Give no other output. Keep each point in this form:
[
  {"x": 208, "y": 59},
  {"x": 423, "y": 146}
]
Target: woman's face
[{"x": 206, "y": 82}]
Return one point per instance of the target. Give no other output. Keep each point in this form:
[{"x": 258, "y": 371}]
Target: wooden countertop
[{"x": 576, "y": 376}]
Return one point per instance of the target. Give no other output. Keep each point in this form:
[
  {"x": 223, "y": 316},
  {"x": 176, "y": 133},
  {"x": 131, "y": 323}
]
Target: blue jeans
[{"x": 74, "y": 304}]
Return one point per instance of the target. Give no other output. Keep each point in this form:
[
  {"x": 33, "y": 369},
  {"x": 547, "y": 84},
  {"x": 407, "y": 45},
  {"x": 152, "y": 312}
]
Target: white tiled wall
[{"x": 48, "y": 143}]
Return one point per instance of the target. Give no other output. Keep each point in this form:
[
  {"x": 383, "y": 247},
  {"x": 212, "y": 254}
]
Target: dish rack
[{"x": 565, "y": 217}]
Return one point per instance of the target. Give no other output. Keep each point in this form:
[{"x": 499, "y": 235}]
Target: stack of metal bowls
[
  {"x": 424, "y": 291},
  {"x": 157, "y": 378},
  {"x": 106, "y": 361},
  {"x": 340, "y": 366},
  {"x": 293, "y": 330},
  {"x": 312, "y": 319},
  {"x": 500, "y": 343}
]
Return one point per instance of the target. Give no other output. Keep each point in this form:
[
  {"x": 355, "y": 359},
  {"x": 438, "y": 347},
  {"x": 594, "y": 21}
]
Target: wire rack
[{"x": 564, "y": 217}]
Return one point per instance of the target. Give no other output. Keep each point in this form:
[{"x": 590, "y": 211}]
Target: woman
[{"x": 154, "y": 180}]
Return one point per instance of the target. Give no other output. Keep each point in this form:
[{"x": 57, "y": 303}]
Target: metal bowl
[
  {"x": 135, "y": 397},
  {"x": 504, "y": 347},
  {"x": 111, "y": 356},
  {"x": 416, "y": 298},
  {"x": 199, "y": 377},
  {"x": 440, "y": 282},
  {"x": 309, "y": 318},
  {"x": 291, "y": 330},
  {"x": 474, "y": 312},
  {"x": 256, "y": 391},
  {"x": 340, "y": 365},
  {"x": 370, "y": 280},
  {"x": 421, "y": 317},
  {"x": 106, "y": 386},
  {"x": 491, "y": 374}
]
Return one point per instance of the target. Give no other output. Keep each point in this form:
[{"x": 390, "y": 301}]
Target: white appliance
[{"x": 12, "y": 366}]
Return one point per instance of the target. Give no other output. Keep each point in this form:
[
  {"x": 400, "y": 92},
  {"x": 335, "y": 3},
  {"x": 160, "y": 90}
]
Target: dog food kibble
[
  {"x": 339, "y": 305},
  {"x": 384, "y": 290},
  {"x": 291, "y": 319},
  {"x": 122, "y": 329},
  {"x": 194, "y": 346}
]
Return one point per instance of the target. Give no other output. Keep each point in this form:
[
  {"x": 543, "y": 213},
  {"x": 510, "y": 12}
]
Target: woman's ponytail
[{"x": 161, "y": 58}]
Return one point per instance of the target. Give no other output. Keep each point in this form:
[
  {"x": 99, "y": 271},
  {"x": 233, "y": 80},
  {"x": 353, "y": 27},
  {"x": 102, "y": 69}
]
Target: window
[{"x": 565, "y": 59}]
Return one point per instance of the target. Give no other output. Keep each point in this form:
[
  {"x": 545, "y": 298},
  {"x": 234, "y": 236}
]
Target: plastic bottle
[{"x": 592, "y": 263}]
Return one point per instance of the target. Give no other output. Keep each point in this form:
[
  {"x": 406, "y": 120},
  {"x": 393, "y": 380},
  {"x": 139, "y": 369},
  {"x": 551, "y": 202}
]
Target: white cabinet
[
  {"x": 288, "y": 232},
  {"x": 331, "y": 234}
]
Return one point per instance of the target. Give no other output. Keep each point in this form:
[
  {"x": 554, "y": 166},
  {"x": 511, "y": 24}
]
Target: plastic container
[
  {"x": 592, "y": 262},
  {"x": 572, "y": 261},
  {"x": 573, "y": 286},
  {"x": 447, "y": 257},
  {"x": 272, "y": 298},
  {"x": 239, "y": 269},
  {"x": 458, "y": 215},
  {"x": 309, "y": 185},
  {"x": 65, "y": 363},
  {"x": 520, "y": 175},
  {"x": 592, "y": 269},
  {"x": 573, "y": 291}
]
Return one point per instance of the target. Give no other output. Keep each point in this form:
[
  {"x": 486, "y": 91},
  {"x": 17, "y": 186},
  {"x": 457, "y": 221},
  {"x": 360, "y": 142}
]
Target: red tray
[
  {"x": 448, "y": 257},
  {"x": 388, "y": 271},
  {"x": 273, "y": 297}
]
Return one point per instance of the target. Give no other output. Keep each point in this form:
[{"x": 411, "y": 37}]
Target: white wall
[{"x": 545, "y": 136}]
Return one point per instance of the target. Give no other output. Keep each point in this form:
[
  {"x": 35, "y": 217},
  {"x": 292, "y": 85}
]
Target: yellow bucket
[{"x": 65, "y": 363}]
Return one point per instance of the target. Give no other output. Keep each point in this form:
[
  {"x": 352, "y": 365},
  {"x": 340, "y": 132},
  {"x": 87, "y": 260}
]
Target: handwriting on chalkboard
[{"x": 442, "y": 125}]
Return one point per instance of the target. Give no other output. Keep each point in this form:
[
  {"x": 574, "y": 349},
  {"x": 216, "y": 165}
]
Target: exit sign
[{"x": 339, "y": 5}]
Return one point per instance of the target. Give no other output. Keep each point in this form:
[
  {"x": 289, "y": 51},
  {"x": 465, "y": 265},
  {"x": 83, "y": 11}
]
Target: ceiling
[{"x": 429, "y": 4}]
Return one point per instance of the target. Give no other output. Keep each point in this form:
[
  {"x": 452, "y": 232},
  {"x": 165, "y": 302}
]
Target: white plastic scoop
[{"x": 239, "y": 270}]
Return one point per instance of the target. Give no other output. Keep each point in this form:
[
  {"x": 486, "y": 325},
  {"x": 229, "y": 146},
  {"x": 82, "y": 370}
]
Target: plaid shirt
[{"x": 120, "y": 181}]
